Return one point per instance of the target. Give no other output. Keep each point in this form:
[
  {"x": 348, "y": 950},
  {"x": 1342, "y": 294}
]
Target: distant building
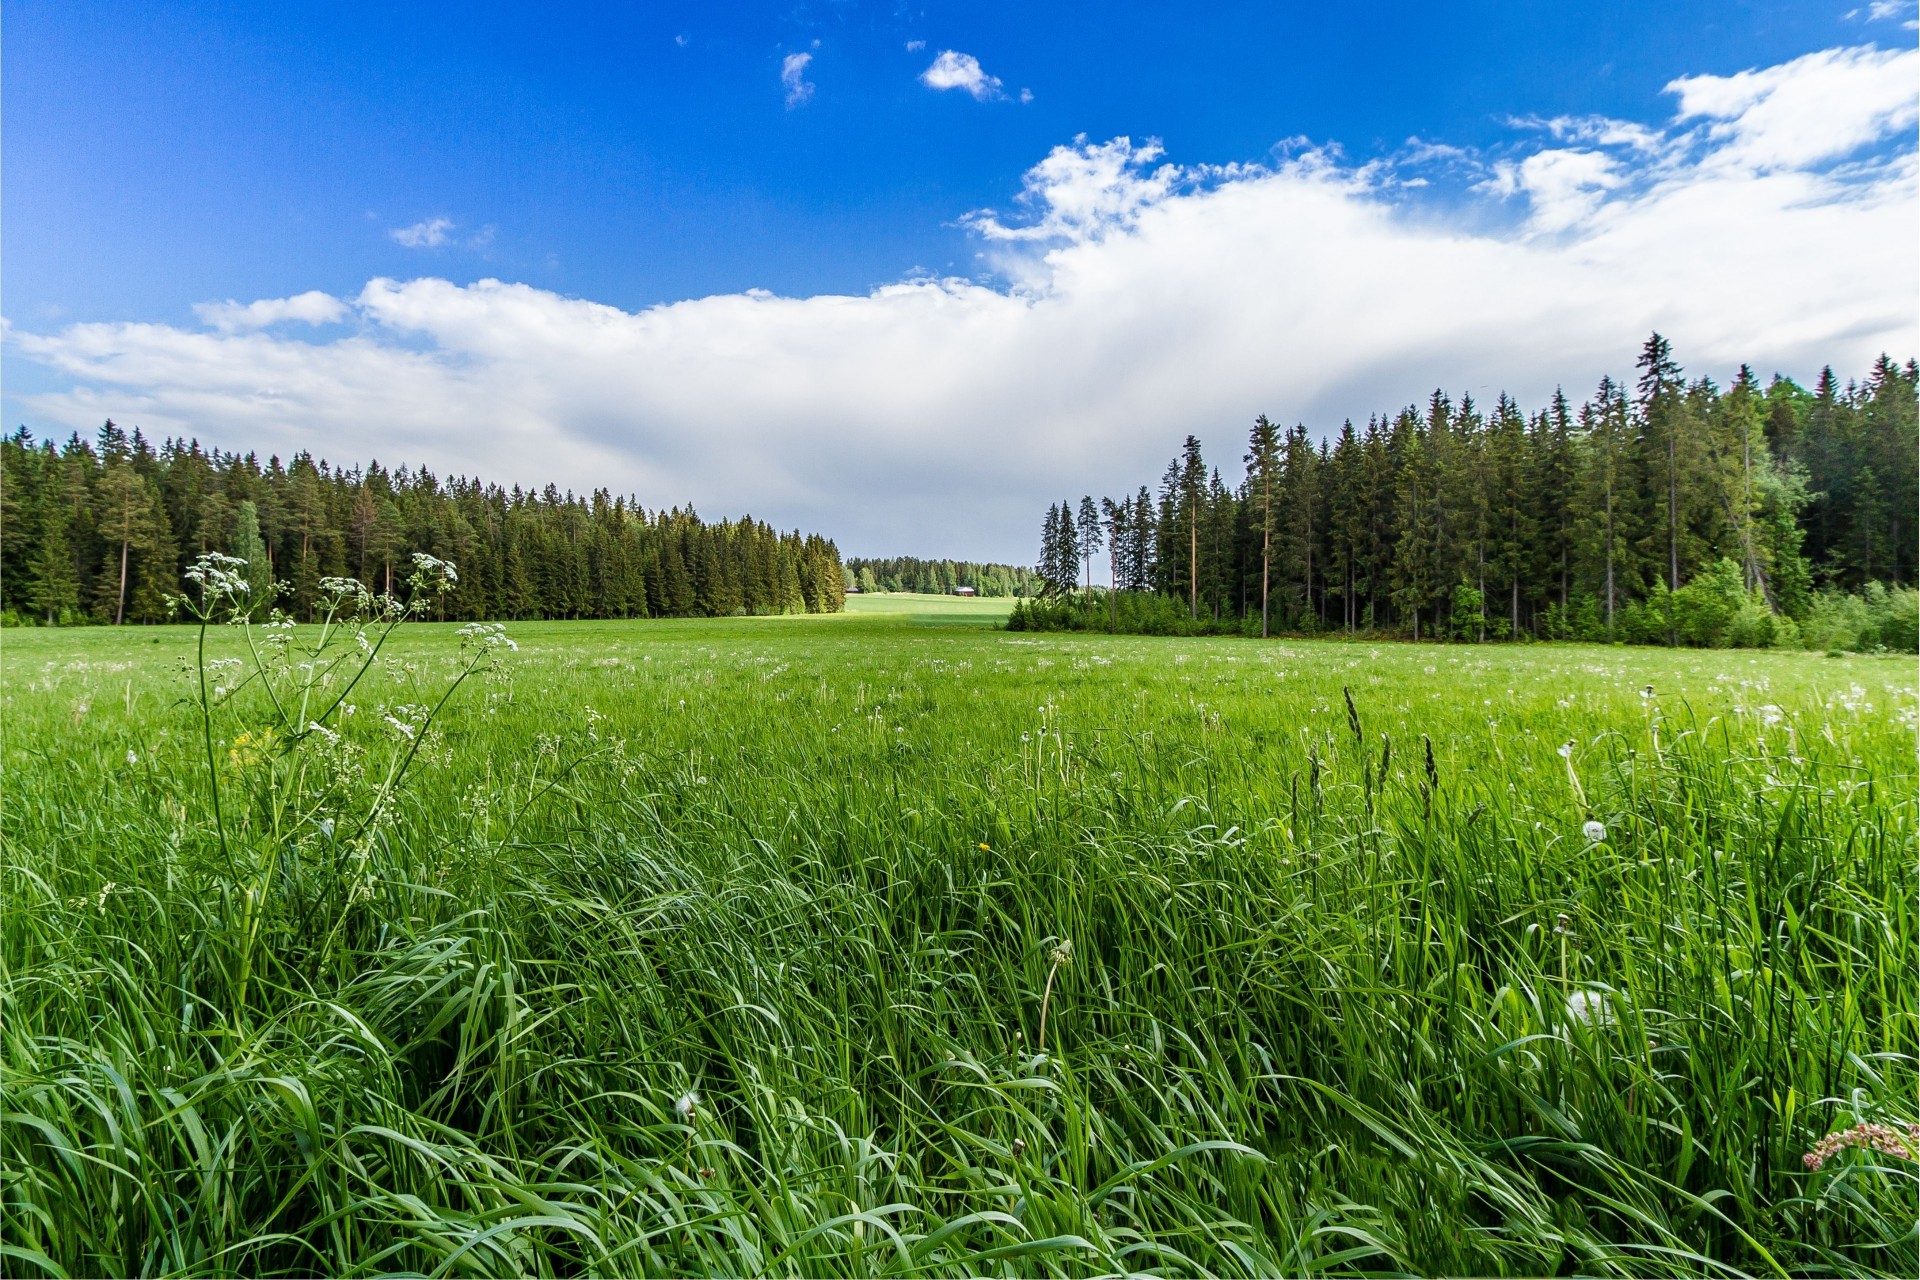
[{"x": 965, "y": 591}]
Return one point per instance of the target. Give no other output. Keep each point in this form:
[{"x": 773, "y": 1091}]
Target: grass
[{"x": 725, "y": 947}]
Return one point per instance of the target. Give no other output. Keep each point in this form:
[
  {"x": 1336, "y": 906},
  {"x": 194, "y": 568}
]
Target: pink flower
[{"x": 1883, "y": 1138}]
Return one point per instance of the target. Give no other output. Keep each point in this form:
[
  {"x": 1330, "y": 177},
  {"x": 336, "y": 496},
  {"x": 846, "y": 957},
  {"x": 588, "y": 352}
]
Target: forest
[
  {"x": 938, "y": 577},
  {"x": 1666, "y": 511},
  {"x": 101, "y": 531}
]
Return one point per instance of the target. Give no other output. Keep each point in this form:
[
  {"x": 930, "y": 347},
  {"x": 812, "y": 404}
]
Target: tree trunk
[
  {"x": 120, "y": 609},
  {"x": 1193, "y": 561}
]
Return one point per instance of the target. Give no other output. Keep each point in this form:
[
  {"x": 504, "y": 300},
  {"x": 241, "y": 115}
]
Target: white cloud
[
  {"x": 1819, "y": 107},
  {"x": 1881, "y": 10},
  {"x": 1138, "y": 300},
  {"x": 1566, "y": 187},
  {"x": 915, "y": 46},
  {"x": 952, "y": 70},
  {"x": 429, "y": 233},
  {"x": 793, "y": 71},
  {"x": 311, "y": 307},
  {"x": 1082, "y": 192}
]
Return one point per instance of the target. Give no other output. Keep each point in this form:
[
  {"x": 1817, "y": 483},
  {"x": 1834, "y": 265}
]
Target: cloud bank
[{"x": 1130, "y": 300}]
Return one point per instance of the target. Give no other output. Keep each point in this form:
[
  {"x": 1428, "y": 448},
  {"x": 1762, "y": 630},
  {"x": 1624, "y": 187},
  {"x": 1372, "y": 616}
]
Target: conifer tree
[
  {"x": 1087, "y": 533},
  {"x": 1263, "y": 467}
]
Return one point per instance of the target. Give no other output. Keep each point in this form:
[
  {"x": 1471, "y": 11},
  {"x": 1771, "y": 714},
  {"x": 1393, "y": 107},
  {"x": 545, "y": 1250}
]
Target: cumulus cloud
[
  {"x": 429, "y": 233},
  {"x": 311, "y": 307},
  {"x": 1819, "y": 107},
  {"x": 793, "y": 77},
  {"x": 951, "y": 70},
  {"x": 1134, "y": 299}
]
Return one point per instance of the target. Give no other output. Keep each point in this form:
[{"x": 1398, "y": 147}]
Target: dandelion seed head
[
  {"x": 685, "y": 1105},
  {"x": 1589, "y": 1008}
]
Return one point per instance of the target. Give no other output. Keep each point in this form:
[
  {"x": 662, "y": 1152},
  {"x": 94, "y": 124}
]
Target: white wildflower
[
  {"x": 1566, "y": 750},
  {"x": 1589, "y": 1008},
  {"x": 132, "y": 759},
  {"x": 685, "y": 1105},
  {"x": 1595, "y": 832}
]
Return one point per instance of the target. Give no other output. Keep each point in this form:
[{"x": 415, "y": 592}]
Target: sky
[{"x": 907, "y": 274}]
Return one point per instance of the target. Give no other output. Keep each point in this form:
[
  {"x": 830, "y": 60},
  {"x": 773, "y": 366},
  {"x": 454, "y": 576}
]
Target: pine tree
[
  {"x": 1087, "y": 533},
  {"x": 126, "y": 507},
  {"x": 1263, "y": 468},
  {"x": 248, "y": 546}
]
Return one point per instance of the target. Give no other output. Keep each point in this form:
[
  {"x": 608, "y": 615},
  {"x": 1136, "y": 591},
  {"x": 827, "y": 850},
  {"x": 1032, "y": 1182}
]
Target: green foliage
[
  {"x": 725, "y": 948},
  {"x": 1703, "y": 611},
  {"x": 103, "y": 534},
  {"x": 938, "y": 577},
  {"x": 1612, "y": 521},
  {"x": 1877, "y": 619},
  {"x": 1465, "y": 621}
]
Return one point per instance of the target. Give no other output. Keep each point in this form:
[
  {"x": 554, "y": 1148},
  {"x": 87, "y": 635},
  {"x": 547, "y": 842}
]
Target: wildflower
[
  {"x": 1589, "y": 1008},
  {"x": 1595, "y": 832},
  {"x": 985, "y": 847},
  {"x": 132, "y": 759},
  {"x": 1566, "y": 749},
  {"x": 401, "y": 727},
  {"x": 686, "y": 1104},
  {"x": 1883, "y": 1138}
]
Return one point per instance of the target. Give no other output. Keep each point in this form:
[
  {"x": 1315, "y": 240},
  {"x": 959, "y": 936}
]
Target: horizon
[{"x": 701, "y": 264}]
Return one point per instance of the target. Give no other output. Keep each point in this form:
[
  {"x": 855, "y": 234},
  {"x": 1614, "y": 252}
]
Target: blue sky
[{"x": 162, "y": 157}]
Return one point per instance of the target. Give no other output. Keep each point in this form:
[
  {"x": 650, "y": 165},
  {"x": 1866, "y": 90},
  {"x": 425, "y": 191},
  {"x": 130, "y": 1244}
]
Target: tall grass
[{"x": 726, "y": 948}]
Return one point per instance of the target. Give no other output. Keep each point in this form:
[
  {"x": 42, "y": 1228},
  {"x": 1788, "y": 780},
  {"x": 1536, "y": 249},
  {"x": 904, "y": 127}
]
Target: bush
[
  {"x": 1878, "y": 619},
  {"x": 1140, "y": 613},
  {"x": 1703, "y": 611},
  {"x": 1467, "y": 621}
]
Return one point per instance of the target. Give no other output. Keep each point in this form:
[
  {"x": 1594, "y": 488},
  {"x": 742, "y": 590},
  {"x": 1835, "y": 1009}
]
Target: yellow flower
[
  {"x": 250, "y": 748},
  {"x": 986, "y": 848}
]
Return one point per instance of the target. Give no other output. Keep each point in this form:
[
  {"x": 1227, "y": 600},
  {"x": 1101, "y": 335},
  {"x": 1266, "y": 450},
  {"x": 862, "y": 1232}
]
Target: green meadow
[{"x": 894, "y": 943}]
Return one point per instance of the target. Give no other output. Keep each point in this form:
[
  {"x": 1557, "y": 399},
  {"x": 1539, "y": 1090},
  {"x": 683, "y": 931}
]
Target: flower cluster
[
  {"x": 218, "y": 576},
  {"x": 1883, "y": 1138},
  {"x": 484, "y": 640},
  {"x": 431, "y": 576}
]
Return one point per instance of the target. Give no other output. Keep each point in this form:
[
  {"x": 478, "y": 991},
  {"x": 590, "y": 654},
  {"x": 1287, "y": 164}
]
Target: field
[{"x": 890, "y": 943}]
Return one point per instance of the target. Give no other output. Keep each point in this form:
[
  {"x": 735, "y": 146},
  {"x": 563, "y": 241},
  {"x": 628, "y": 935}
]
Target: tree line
[
  {"x": 100, "y": 532},
  {"x": 938, "y": 577},
  {"x": 1666, "y": 511}
]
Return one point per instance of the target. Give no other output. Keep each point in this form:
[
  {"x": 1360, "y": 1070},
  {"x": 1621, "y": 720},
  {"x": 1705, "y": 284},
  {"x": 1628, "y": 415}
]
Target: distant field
[
  {"x": 1325, "y": 987},
  {"x": 926, "y": 608}
]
